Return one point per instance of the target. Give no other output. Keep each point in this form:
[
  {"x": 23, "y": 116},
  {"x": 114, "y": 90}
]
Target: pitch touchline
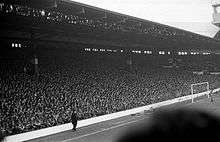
[
  {"x": 120, "y": 122},
  {"x": 102, "y": 130}
]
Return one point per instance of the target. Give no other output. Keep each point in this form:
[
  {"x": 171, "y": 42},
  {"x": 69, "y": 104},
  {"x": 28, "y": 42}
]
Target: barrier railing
[{"x": 61, "y": 128}]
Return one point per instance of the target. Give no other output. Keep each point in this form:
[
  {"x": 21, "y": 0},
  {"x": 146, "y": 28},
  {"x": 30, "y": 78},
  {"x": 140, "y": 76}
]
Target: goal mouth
[{"x": 199, "y": 87}]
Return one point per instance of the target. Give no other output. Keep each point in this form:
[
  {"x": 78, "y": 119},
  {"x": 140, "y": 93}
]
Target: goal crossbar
[{"x": 207, "y": 87}]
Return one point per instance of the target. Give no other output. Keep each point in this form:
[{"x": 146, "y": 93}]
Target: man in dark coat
[
  {"x": 74, "y": 120},
  {"x": 210, "y": 95}
]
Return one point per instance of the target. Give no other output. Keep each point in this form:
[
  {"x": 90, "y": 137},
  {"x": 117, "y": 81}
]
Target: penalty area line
[{"x": 102, "y": 130}]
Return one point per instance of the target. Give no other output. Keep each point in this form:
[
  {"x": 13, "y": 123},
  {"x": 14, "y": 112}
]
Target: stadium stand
[
  {"x": 86, "y": 21},
  {"x": 95, "y": 87},
  {"x": 217, "y": 36},
  {"x": 96, "y": 79}
]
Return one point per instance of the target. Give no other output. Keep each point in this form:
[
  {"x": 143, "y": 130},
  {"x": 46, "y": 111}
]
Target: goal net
[{"x": 199, "y": 87}]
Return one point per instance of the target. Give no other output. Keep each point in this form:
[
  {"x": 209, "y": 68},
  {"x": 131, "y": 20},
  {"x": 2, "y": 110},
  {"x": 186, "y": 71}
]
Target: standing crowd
[{"x": 87, "y": 85}]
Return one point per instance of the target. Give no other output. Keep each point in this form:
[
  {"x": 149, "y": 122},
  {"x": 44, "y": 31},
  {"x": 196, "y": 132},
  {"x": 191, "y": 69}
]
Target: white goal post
[{"x": 198, "y": 84}]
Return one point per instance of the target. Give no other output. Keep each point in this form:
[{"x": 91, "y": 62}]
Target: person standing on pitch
[
  {"x": 210, "y": 95},
  {"x": 74, "y": 119}
]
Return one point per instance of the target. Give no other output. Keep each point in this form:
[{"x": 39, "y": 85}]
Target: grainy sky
[{"x": 191, "y": 15}]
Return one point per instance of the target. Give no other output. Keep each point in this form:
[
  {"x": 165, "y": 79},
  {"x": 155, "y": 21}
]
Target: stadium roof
[{"x": 71, "y": 21}]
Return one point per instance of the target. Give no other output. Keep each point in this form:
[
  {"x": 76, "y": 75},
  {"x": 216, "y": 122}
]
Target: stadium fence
[{"x": 61, "y": 128}]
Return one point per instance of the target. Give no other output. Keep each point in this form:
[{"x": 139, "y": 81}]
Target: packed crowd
[
  {"x": 92, "y": 85},
  {"x": 123, "y": 25},
  {"x": 200, "y": 62}
]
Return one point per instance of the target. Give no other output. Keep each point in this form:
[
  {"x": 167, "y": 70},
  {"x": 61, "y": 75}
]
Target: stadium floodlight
[{"x": 42, "y": 13}]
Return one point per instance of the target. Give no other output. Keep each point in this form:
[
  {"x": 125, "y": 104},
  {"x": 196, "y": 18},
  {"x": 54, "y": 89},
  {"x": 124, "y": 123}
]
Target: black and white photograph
[{"x": 109, "y": 70}]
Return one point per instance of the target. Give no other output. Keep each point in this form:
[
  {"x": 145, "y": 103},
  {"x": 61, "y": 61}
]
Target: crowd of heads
[
  {"x": 90, "y": 84},
  {"x": 124, "y": 24}
]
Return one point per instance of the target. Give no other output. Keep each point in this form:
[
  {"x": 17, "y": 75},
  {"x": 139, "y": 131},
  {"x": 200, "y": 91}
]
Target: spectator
[{"x": 97, "y": 88}]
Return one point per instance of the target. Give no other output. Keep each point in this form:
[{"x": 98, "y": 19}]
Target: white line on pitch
[
  {"x": 119, "y": 122},
  {"x": 101, "y": 130}
]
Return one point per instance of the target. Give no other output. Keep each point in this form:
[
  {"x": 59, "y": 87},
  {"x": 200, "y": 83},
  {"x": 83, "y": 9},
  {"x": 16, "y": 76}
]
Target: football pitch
[{"x": 109, "y": 131}]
